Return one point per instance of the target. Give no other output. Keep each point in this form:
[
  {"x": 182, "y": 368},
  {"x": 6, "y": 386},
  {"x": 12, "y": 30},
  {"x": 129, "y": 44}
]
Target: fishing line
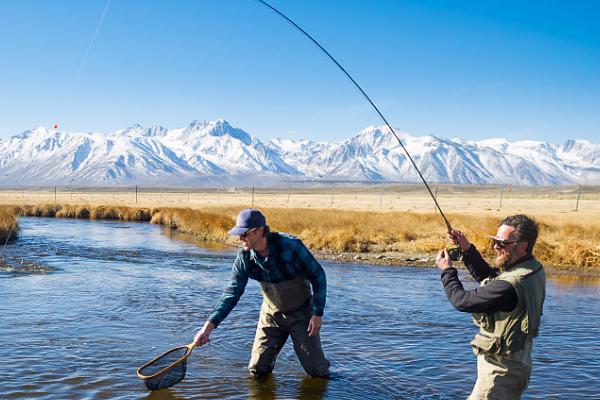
[
  {"x": 6, "y": 242},
  {"x": 87, "y": 52},
  {"x": 448, "y": 226}
]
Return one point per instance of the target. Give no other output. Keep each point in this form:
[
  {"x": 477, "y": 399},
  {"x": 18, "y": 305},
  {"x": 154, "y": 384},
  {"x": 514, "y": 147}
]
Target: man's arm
[
  {"x": 232, "y": 293},
  {"x": 231, "y": 296},
  {"x": 477, "y": 266},
  {"x": 495, "y": 296}
]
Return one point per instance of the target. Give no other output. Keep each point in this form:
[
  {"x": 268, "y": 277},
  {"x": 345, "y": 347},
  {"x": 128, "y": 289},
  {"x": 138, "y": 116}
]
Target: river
[{"x": 84, "y": 304}]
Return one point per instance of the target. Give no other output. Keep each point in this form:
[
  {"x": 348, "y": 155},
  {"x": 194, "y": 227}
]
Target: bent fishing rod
[{"x": 448, "y": 226}]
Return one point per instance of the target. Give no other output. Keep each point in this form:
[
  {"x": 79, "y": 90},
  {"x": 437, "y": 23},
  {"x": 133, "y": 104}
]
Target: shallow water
[{"x": 84, "y": 304}]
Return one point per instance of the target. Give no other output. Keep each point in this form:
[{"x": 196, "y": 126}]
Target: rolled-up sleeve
[
  {"x": 314, "y": 272},
  {"x": 232, "y": 293}
]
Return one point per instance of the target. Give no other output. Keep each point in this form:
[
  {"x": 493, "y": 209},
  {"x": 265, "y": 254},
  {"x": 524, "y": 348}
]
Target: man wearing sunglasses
[
  {"x": 286, "y": 271},
  {"x": 507, "y": 307}
]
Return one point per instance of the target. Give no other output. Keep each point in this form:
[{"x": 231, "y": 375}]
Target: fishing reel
[{"x": 455, "y": 253}]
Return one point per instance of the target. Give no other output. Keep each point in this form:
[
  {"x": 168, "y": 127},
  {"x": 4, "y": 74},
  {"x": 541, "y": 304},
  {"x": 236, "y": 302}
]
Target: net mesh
[{"x": 170, "y": 368}]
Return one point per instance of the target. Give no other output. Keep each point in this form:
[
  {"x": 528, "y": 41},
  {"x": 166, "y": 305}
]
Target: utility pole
[
  {"x": 332, "y": 189},
  {"x": 578, "y": 195}
]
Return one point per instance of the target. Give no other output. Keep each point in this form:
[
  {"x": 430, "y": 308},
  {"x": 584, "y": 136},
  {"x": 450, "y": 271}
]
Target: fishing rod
[
  {"x": 448, "y": 226},
  {"x": 88, "y": 51}
]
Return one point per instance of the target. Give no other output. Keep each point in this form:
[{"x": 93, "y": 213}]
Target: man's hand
[
  {"x": 457, "y": 237},
  {"x": 314, "y": 325},
  {"x": 203, "y": 335},
  {"x": 443, "y": 260}
]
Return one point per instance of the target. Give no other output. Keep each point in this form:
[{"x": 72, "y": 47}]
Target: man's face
[
  {"x": 251, "y": 238},
  {"x": 507, "y": 247}
]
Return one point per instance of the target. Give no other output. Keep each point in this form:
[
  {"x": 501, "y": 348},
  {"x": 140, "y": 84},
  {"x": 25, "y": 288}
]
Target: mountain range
[{"x": 214, "y": 153}]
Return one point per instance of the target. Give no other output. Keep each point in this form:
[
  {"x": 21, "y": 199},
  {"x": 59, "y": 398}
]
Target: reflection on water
[
  {"x": 569, "y": 281},
  {"x": 268, "y": 388},
  {"x": 187, "y": 238},
  {"x": 164, "y": 394},
  {"x": 95, "y": 300}
]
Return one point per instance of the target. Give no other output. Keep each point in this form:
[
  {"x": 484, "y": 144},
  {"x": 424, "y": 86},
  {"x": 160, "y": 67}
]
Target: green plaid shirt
[{"x": 288, "y": 258}]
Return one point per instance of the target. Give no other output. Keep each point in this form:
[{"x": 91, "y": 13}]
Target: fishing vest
[{"x": 503, "y": 333}]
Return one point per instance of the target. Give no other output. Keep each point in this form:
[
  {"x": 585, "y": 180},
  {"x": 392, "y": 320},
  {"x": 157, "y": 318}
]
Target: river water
[{"x": 84, "y": 304}]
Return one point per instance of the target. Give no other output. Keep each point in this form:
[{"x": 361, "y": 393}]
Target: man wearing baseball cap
[{"x": 286, "y": 271}]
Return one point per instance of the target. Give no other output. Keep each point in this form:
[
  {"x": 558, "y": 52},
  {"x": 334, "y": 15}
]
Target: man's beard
[{"x": 503, "y": 261}]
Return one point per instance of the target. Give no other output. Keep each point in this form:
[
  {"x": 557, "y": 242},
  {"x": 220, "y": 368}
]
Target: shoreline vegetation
[
  {"x": 9, "y": 227},
  {"x": 566, "y": 244}
]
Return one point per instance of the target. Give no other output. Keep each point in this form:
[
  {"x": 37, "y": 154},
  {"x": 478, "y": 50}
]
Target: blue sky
[{"x": 471, "y": 69}]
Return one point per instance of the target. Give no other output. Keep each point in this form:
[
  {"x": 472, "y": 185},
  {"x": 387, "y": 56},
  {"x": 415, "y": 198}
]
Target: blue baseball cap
[{"x": 247, "y": 219}]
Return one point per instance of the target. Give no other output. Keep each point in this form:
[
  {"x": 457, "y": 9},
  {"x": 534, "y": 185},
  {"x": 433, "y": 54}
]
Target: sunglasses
[
  {"x": 503, "y": 243},
  {"x": 247, "y": 232}
]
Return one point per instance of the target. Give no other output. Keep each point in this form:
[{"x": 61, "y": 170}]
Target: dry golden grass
[
  {"x": 85, "y": 212},
  {"x": 9, "y": 228},
  {"x": 564, "y": 241},
  {"x": 567, "y": 239},
  {"x": 205, "y": 226}
]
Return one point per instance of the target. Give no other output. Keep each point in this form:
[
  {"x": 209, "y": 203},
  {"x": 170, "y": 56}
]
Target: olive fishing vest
[{"x": 502, "y": 332}]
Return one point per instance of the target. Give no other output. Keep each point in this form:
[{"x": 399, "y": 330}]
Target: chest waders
[
  {"x": 505, "y": 339},
  {"x": 286, "y": 296},
  {"x": 286, "y": 311}
]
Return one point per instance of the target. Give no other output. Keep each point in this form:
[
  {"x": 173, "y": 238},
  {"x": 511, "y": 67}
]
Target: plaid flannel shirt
[{"x": 288, "y": 258}]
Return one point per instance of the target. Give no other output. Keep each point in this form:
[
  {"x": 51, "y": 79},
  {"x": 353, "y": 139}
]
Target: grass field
[
  {"x": 409, "y": 197},
  {"x": 391, "y": 224}
]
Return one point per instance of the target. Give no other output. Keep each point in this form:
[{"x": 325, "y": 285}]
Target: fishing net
[{"x": 167, "y": 369}]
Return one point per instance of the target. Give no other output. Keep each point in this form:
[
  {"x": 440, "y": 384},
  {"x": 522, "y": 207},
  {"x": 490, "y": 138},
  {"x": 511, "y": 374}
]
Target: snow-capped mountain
[{"x": 216, "y": 153}]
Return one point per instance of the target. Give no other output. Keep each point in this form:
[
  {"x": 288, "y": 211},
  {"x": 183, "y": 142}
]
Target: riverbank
[
  {"x": 9, "y": 227},
  {"x": 426, "y": 260},
  {"x": 567, "y": 243}
]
